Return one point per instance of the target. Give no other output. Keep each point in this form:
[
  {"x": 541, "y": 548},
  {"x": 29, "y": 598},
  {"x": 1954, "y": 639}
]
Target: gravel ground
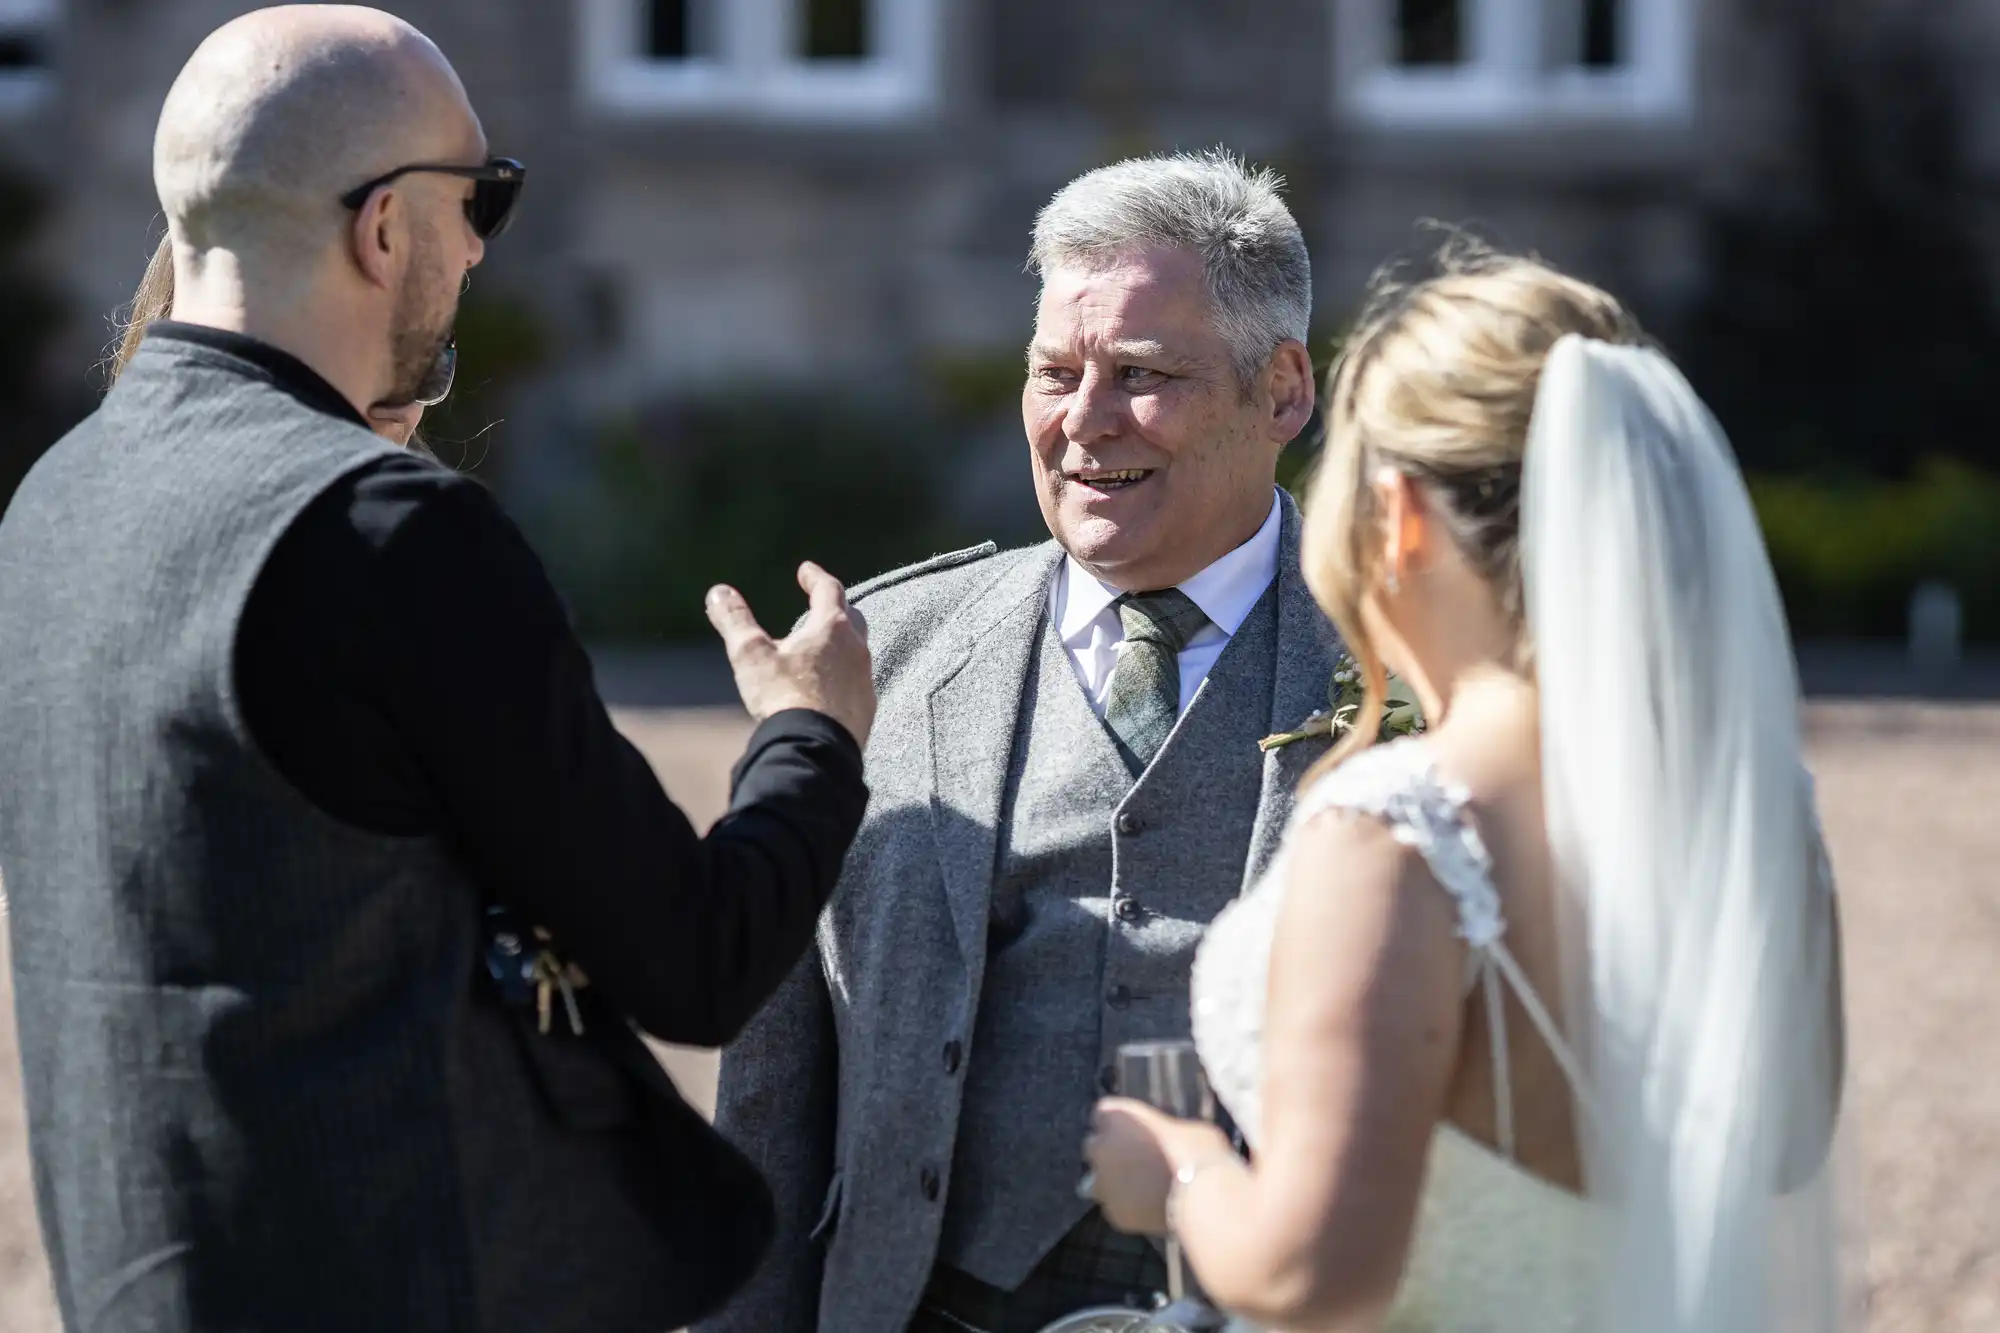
[{"x": 1911, "y": 797}]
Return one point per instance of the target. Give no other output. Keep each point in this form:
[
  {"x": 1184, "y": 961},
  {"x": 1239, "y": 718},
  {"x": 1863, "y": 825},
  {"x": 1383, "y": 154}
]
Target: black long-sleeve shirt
[{"x": 405, "y": 663}]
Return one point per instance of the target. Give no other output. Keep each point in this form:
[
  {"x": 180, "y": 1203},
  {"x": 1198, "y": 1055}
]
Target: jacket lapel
[
  {"x": 974, "y": 712},
  {"x": 1308, "y": 647}
]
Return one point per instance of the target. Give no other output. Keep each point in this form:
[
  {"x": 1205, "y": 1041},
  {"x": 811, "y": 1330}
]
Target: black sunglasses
[{"x": 491, "y": 206}]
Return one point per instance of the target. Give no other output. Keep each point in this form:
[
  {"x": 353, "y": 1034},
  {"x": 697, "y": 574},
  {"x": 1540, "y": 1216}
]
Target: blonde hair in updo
[
  {"x": 1437, "y": 380},
  {"x": 153, "y": 302}
]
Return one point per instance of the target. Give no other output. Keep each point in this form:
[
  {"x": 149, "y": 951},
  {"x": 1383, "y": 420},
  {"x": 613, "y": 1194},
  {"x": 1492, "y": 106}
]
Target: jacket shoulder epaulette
[{"x": 949, "y": 560}]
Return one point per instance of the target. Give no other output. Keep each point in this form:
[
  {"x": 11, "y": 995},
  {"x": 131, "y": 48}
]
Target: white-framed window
[
  {"x": 27, "y": 31},
  {"x": 779, "y": 59},
  {"x": 1468, "y": 63}
]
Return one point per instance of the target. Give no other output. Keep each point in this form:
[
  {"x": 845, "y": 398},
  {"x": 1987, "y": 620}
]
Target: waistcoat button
[
  {"x": 1107, "y": 1079},
  {"x": 953, "y": 1054},
  {"x": 928, "y": 1182},
  {"x": 1128, "y": 909},
  {"x": 1128, "y": 823},
  {"x": 1120, "y": 996}
]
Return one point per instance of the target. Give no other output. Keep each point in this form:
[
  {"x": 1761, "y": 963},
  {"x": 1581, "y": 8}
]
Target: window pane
[
  {"x": 836, "y": 29},
  {"x": 667, "y": 31},
  {"x": 680, "y": 29},
  {"x": 1602, "y": 38},
  {"x": 1429, "y": 32},
  {"x": 22, "y": 49}
]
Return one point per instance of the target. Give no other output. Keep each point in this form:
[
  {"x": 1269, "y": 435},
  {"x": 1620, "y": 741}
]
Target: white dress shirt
[{"x": 1094, "y": 636}]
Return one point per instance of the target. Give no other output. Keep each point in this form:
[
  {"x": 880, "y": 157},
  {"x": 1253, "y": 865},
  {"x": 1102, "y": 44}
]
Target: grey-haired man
[{"x": 1067, "y": 785}]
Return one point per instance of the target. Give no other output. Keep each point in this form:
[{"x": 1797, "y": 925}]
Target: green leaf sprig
[{"x": 1401, "y": 715}]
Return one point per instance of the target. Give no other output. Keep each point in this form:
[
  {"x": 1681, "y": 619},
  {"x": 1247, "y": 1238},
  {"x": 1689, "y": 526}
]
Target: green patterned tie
[{"x": 1145, "y": 698}]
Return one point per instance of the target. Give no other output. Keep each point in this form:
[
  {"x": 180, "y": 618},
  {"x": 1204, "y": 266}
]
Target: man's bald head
[{"x": 281, "y": 112}]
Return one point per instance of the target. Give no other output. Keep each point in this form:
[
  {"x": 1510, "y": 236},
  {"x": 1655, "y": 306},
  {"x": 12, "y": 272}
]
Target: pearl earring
[{"x": 1393, "y": 583}]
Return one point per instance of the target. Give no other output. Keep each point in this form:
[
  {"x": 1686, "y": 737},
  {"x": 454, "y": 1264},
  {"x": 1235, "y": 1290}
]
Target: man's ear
[
  {"x": 373, "y": 238},
  {"x": 1291, "y": 392}
]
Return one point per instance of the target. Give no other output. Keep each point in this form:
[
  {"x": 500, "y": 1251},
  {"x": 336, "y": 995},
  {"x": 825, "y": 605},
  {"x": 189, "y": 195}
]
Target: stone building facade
[{"x": 842, "y": 189}]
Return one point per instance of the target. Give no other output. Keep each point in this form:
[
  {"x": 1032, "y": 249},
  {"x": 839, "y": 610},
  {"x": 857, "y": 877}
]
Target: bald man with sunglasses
[{"x": 337, "y": 902}]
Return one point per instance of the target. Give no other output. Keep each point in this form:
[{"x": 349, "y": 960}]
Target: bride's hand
[{"x": 1133, "y": 1152}]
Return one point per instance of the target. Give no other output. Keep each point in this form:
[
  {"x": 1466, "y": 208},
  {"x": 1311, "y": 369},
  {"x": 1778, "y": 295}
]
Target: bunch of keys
[
  {"x": 554, "y": 977},
  {"x": 519, "y": 971}
]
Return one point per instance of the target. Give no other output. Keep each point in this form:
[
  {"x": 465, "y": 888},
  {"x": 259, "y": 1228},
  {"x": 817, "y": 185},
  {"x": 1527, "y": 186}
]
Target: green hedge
[
  {"x": 1849, "y": 552},
  {"x": 739, "y": 487}
]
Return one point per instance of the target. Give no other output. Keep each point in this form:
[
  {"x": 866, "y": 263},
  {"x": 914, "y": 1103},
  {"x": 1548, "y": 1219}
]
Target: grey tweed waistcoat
[
  {"x": 1092, "y": 936},
  {"x": 267, "y": 1087}
]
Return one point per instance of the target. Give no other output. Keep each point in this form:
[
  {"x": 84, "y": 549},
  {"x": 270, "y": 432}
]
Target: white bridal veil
[{"x": 1699, "y": 947}]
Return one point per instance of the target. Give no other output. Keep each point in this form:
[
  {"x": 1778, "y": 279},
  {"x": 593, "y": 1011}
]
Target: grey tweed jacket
[{"x": 842, "y": 1091}]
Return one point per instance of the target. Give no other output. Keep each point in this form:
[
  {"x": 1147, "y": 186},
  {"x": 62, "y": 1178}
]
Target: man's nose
[{"x": 1095, "y": 409}]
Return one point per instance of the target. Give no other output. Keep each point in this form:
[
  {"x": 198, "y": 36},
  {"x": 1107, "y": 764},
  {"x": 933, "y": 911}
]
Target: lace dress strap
[{"x": 1400, "y": 785}]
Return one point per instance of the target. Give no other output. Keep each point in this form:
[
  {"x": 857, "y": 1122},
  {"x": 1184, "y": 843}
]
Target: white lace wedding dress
[{"x": 1495, "y": 1250}]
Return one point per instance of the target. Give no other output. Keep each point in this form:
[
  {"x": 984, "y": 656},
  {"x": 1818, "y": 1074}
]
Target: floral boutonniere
[{"x": 1400, "y": 714}]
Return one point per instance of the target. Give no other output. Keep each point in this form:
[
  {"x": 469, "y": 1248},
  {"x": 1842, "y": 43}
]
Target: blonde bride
[{"x": 1535, "y": 1022}]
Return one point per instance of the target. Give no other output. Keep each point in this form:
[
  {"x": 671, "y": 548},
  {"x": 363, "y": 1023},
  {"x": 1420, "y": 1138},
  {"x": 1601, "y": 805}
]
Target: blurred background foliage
[
  {"x": 1849, "y": 550},
  {"x": 1856, "y": 331},
  {"x": 738, "y": 486},
  {"x": 31, "y": 315}
]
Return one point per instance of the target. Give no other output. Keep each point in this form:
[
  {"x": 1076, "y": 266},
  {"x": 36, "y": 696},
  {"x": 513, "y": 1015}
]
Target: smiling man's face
[{"x": 1150, "y": 463}]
